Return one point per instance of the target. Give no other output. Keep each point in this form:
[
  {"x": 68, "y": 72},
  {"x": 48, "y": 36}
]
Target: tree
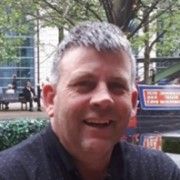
[
  {"x": 62, "y": 14},
  {"x": 168, "y": 44},
  {"x": 152, "y": 34},
  {"x": 12, "y": 23},
  {"x": 120, "y": 12},
  {"x": 132, "y": 16},
  {"x": 17, "y": 15}
]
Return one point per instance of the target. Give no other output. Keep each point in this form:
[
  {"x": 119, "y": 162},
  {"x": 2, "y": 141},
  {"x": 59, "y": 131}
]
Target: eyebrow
[
  {"x": 122, "y": 80},
  {"x": 82, "y": 75},
  {"x": 119, "y": 79}
]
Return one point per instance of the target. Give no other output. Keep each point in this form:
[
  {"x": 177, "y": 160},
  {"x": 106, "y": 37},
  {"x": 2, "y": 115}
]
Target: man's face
[
  {"x": 28, "y": 84},
  {"x": 93, "y": 100}
]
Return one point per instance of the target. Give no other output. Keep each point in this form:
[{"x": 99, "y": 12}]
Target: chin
[{"x": 97, "y": 146}]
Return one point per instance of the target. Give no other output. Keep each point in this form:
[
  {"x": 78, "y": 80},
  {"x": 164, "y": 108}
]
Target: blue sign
[{"x": 159, "y": 97}]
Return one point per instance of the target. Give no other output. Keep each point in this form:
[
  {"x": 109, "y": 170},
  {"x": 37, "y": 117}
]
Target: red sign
[
  {"x": 160, "y": 97},
  {"x": 152, "y": 141}
]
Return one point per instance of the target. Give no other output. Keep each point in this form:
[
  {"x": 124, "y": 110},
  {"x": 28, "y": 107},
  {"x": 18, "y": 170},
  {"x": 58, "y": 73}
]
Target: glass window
[
  {"x": 27, "y": 52},
  {"x": 28, "y": 42},
  {"x": 27, "y": 62},
  {"x": 24, "y": 66}
]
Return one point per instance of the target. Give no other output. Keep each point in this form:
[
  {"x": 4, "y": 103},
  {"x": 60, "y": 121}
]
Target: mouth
[{"x": 98, "y": 124}]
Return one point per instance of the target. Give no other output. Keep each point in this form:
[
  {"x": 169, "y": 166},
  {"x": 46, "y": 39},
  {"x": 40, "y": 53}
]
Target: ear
[
  {"x": 48, "y": 94},
  {"x": 134, "y": 98}
]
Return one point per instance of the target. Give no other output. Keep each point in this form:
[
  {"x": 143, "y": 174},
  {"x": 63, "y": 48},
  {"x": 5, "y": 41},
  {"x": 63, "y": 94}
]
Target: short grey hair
[{"x": 102, "y": 36}]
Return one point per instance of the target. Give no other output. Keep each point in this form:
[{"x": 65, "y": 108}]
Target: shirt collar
[
  {"x": 116, "y": 166},
  {"x": 56, "y": 150}
]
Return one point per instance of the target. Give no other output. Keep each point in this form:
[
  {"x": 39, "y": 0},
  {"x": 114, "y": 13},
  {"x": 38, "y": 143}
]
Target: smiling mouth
[{"x": 98, "y": 124}]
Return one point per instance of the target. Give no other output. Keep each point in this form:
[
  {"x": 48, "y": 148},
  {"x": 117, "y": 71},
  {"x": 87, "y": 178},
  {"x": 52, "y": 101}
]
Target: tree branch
[
  {"x": 58, "y": 11},
  {"x": 156, "y": 39},
  {"x": 143, "y": 21},
  {"x": 107, "y": 5},
  {"x": 89, "y": 9}
]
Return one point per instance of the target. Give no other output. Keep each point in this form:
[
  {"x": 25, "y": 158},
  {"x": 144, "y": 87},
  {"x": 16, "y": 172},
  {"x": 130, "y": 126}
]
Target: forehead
[{"x": 82, "y": 60}]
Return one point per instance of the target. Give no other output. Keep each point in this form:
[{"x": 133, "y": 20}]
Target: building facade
[
  {"x": 23, "y": 66},
  {"x": 33, "y": 60}
]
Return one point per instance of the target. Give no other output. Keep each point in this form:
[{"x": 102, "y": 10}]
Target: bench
[{"x": 12, "y": 98}]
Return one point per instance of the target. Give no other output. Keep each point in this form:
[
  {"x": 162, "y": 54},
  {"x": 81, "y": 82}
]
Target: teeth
[{"x": 98, "y": 122}]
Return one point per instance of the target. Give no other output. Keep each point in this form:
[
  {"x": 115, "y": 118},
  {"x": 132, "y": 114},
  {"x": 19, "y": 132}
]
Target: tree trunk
[
  {"x": 146, "y": 50},
  {"x": 61, "y": 34},
  {"x": 119, "y": 12}
]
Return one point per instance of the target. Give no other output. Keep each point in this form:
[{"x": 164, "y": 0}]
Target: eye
[
  {"x": 116, "y": 87},
  {"x": 85, "y": 86}
]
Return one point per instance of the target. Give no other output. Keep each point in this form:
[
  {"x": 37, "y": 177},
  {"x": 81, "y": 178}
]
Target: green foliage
[
  {"x": 18, "y": 17},
  {"x": 8, "y": 48},
  {"x": 12, "y": 22},
  {"x": 15, "y": 16},
  {"x": 14, "y": 131},
  {"x": 60, "y": 13},
  {"x": 171, "y": 144},
  {"x": 156, "y": 31},
  {"x": 169, "y": 43},
  {"x": 65, "y": 14},
  {"x": 163, "y": 31}
]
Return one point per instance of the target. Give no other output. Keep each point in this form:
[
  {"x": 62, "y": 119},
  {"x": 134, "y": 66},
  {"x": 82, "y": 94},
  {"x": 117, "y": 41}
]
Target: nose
[{"x": 101, "y": 98}]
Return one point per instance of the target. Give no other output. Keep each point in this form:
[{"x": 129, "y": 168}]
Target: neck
[{"x": 93, "y": 168}]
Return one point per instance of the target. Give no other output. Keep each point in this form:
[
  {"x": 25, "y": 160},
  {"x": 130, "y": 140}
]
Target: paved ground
[{"x": 16, "y": 112}]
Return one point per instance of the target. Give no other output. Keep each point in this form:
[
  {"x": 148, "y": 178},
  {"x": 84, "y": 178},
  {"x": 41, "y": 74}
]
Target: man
[
  {"x": 29, "y": 93},
  {"x": 14, "y": 82},
  {"x": 9, "y": 90},
  {"x": 90, "y": 100}
]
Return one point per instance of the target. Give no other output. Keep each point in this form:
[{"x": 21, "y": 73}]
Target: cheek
[
  {"x": 77, "y": 106},
  {"x": 70, "y": 106},
  {"x": 124, "y": 107}
]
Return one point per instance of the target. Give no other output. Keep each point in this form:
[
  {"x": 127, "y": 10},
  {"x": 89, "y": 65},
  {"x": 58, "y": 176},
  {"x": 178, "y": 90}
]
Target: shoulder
[
  {"x": 148, "y": 162},
  {"x": 32, "y": 89},
  {"x": 21, "y": 149},
  {"x": 24, "y": 89},
  {"x": 135, "y": 150},
  {"x": 147, "y": 156},
  {"x": 18, "y": 160}
]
